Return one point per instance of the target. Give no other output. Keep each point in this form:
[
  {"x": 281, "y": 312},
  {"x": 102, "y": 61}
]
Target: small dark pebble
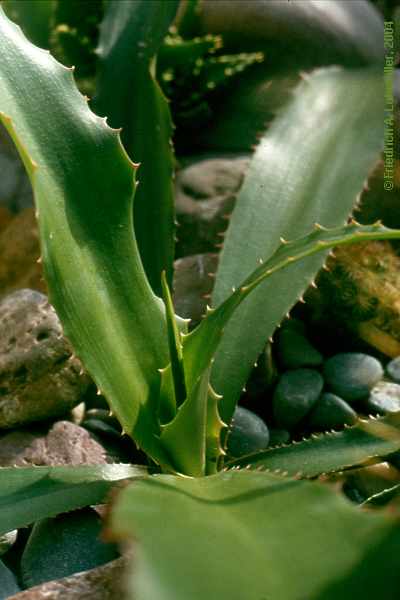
[
  {"x": 384, "y": 398},
  {"x": 8, "y": 583},
  {"x": 294, "y": 351},
  {"x": 64, "y": 545},
  {"x": 331, "y": 412},
  {"x": 294, "y": 325},
  {"x": 248, "y": 433},
  {"x": 277, "y": 437},
  {"x": 352, "y": 375},
  {"x": 393, "y": 369},
  {"x": 100, "y": 421},
  {"x": 100, "y": 427},
  {"x": 294, "y": 396}
]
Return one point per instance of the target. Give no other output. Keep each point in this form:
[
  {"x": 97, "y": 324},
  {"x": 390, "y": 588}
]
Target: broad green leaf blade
[
  {"x": 32, "y": 493},
  {"x": 248, "y": 536},
  {"x": 326, "y": 453},
  {"x": 309, "y": 167},
  {"x": 130, "y": 97},
  {"x": 83, "y": 184},
  {"x": 202, "y": 343},
  {"x": 347, "y": 33}
]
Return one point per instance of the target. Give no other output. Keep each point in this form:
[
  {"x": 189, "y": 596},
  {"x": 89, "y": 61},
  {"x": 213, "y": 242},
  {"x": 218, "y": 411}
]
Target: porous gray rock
[
  {"x": 39, "y": 376},
  {"x": 205, "y": 197},
  {"x": 64, "y": 444}
]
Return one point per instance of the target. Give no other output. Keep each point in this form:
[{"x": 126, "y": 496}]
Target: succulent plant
[{"x": 175, "y": 392}]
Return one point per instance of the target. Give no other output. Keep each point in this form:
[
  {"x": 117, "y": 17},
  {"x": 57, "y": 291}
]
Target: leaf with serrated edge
[
  {"x": 309, "y": 167},
  {"x": 201, "y": 344},
  {"x": 129, "y": 95},
  {"x": 184, "y": 437},
  {"x": 327, "y": 452},
  {"x": 83, "y": 183},
  {"x": 249, "y": 536},
  {"x": 31, "y": 493}
]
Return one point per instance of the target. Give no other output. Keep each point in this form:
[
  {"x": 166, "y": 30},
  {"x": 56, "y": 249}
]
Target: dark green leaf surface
[
  {"x": 300, "y": 33},
  {"x": 202, "y": 343},
  {"x": 130, "y": 97},
  {"x": 309, "y": 167},
  {"x": 328, "y": 452},
  {"x": 32, "y": 493},
  {"x": 83, "y": 184},
  {"x": 253, "y": 536}
]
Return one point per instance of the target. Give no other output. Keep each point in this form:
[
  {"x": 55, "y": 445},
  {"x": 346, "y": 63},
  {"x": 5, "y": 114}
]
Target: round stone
[
  {"x": 277, "y": 437},
  {"x": 384, "y": 398},
  {"x": 61, "y": 546},
  {"x": 295, "y": 395},
  {"x": 294, "y": 351},
  {"x": 248, "y": 433},
  {"x": 9, "y": 585},
  {"x": 393, "y": 369},
  {"x": 352, "y": 375},
  {"x": 331, "y": 412}
]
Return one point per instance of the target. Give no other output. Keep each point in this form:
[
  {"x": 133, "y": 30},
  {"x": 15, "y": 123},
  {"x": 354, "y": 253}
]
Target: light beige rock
[
  {"x": 103, "y": 583},
  {"x": 64, "y": 444}
]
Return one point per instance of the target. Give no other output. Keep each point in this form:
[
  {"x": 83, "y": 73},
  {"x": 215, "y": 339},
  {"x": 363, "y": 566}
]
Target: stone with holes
[{"x": 39, "y": 376}]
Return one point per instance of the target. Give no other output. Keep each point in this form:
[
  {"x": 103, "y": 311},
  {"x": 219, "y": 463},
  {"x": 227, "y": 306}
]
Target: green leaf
[
  {"x": 347, "y": 33},
  {"x": 248, "y": 535},
  {"x": 83, "y": 183},
  {"x": 32, "y": 493},
  {"x": 130, "y": 97},
  {"x": 328, "y": 452},
  {"x": 309, "y": 167},
  {"x": 184, "y": 438},
  {"x": 175, "y": 346},
  {"x": 201, "y": 344}
]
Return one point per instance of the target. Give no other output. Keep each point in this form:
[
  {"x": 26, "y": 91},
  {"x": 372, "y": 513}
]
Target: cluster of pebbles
[{"x": 314, "y": 393}]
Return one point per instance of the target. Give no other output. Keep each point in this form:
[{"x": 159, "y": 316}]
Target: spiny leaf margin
[{"x": 328, "y": 452}]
